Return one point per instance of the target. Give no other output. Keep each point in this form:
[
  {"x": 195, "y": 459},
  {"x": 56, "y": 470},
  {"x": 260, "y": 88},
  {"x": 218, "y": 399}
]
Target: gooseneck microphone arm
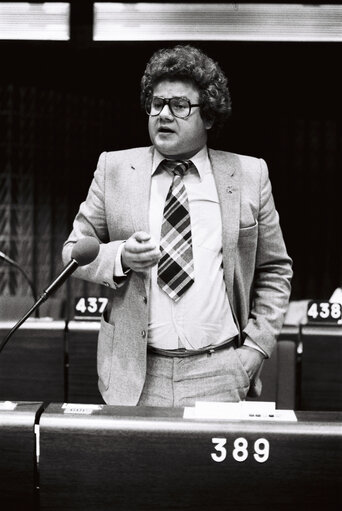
[
  {"x": 20, "y": 322},
  {"x": 84, "y": 252},
  {"x": 10, "y": 261}
]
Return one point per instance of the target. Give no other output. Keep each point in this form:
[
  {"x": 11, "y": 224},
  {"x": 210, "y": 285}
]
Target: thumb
[
  {"x": 142, "y": 236},
  {"x": 255, "y": 388}
]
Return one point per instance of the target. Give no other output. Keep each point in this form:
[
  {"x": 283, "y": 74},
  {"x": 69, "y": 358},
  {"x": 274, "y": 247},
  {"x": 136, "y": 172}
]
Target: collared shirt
[{"x": 203, "y": 315}]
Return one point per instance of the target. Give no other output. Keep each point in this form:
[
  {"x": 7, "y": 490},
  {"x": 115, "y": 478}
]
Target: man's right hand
[{"x": 140, "y": 252}]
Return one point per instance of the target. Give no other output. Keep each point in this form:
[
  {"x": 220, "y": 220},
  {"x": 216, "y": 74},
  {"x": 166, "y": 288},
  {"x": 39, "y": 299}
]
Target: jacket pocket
[
  {"x": 244, "y": 374},
  {"x": 105, "y": 348},
  {"x": 248, "y": 231}
]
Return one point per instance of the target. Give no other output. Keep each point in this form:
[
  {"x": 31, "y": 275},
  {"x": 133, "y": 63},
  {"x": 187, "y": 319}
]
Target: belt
[{"x": 183, "y": 352}]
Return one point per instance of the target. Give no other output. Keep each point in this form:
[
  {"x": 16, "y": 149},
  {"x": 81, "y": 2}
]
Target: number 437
[{"x": 240, "y": 451}]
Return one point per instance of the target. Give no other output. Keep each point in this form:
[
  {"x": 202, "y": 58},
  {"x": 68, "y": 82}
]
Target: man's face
[{"x": 173, "y": 137}]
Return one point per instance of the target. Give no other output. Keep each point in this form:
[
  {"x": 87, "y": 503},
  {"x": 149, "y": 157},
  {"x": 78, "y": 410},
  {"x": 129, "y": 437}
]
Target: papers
[
  {"x": 244, "y": 410},
  {"x": 80, "y": 408},
  {"x": 7, "y": 405}
]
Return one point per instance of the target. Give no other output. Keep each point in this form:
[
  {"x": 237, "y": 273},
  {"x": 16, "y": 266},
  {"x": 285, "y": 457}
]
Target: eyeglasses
[{"x": 180, "y": 107}]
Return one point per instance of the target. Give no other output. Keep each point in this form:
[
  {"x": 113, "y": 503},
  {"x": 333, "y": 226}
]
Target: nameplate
[
  {"x": 244, "y": 410},
  {"x": 7, "y": 405},
  {"x": 80, "y": 409},
  {"x": 324, "y": 312},
  {"x": 89, "y": 307}
]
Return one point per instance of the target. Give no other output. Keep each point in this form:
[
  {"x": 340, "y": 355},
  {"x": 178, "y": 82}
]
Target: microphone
[
  {"x": 6, "y": 258},
  {"x": 84, "y": 252}
]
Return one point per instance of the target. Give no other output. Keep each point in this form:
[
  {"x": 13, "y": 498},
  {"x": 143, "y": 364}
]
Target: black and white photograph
[{"x": 170, "y": 256}]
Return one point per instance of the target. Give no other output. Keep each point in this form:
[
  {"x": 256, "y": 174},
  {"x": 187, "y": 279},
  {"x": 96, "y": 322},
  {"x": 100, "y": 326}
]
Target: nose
[{"x": 166, "y": 112}]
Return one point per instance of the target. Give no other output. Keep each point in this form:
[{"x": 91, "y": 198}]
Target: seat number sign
[
  {"x": 240, "y": 450},
  {"x": 329, "y": 312},
  {"x": 90, "y": 307}
]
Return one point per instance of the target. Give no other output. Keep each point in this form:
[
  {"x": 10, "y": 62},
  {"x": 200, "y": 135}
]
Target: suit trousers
[{"x": 181, "y": 381}]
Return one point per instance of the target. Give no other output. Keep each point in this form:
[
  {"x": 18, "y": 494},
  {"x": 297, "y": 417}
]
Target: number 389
[{"x": 240, "y": 452}]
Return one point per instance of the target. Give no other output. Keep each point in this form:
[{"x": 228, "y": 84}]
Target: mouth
[{"x": 165, "y": 130}]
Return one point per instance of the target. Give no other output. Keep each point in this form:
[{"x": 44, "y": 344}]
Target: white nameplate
[
  {"x": 7, "y": 405},
  {"x": 82, "y": 409},
  {"x": 244, "y": 410}
]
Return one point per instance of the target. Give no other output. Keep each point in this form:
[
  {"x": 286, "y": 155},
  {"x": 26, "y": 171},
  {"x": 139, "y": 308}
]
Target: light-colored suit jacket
[{"x": 257, "y": 269}]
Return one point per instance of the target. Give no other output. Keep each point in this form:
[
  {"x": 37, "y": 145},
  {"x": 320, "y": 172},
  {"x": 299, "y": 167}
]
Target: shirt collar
[{"x": 200, "y": 160}]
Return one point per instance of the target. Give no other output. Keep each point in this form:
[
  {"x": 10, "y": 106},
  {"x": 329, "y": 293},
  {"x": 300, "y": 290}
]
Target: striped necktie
[{"x": 176, "y": 266}]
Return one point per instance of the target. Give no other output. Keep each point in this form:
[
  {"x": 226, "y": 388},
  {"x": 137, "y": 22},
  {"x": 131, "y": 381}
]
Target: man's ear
[{"x": 208, "y": 123}]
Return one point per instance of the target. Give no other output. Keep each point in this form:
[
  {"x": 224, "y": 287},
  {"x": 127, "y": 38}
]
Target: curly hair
[{"x": 189, "y": 63}]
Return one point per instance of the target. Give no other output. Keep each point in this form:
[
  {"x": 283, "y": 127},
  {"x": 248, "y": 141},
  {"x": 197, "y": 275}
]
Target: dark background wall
[{"x": 61, "y": 105}]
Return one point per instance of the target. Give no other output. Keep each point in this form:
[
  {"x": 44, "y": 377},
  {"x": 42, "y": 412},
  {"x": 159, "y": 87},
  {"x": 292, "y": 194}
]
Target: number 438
[
  {"x": 240, "y": 451},
  {"x": 321, "y": 311}
]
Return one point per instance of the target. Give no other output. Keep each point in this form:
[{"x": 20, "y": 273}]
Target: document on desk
[
  {"x": 80, "y": 408},
  {"x": 7, "y": 405},
  {"x": 244, "y": 410}
]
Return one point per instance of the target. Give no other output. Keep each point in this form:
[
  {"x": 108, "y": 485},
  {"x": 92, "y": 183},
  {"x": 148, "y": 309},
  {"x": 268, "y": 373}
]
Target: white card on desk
[
  {"x": 83, "y": 409},
  {"x": 213, "y": 410},
  {"x": 7, "y": 405},
  {"x": 244, "y": 410}
]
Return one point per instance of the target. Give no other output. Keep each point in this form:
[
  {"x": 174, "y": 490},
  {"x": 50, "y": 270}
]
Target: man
[{"x": 191, "y": 246}]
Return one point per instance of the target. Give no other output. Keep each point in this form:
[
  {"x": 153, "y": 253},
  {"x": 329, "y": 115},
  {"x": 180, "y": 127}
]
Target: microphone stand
[
  {"x": 43, "y": 297},
  {"x": 37, "y": 304},
  {"x": 84, "y": 252}
]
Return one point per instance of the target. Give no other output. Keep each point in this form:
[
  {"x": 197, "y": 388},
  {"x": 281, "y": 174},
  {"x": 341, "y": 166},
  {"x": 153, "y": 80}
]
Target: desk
[
  {"x": 18, "y": 477},
  {"x": 133, "y": 459},
  {"x": 32, "y": 362}
]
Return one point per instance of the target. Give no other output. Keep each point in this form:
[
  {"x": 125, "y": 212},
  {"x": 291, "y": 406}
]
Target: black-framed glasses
[{"x": 179, "y": 106}]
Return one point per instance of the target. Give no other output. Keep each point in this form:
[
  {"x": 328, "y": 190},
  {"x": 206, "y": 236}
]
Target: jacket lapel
[
  {"x": 140, "y": 176},
  {"x": 226, "y": 170}
]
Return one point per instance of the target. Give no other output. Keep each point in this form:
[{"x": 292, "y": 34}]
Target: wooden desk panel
[
  {"x": 150, "y": 459},
  {"x": 17, "y": 458},
  {"x": 290, "y": 333},
  {"x": 82, "y": 353},
  {"x": 32, "y": 362},
  {"x": 321, "y": 368}
]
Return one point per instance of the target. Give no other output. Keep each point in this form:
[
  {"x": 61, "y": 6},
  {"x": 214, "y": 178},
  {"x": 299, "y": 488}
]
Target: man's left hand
[{"x": 251, "y": 360}]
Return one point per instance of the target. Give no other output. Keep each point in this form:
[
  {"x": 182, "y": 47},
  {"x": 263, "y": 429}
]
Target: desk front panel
[
  {"x": 18, "y": 476},
  {"x": 82, "y": 353},
  {"x": 321, "y": 367},
  {"x": 151, "y": 459},
  {"x": 32, "y": 362}
]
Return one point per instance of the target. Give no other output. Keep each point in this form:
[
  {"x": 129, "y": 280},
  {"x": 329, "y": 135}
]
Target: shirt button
[{"x": 143, "y": 334}]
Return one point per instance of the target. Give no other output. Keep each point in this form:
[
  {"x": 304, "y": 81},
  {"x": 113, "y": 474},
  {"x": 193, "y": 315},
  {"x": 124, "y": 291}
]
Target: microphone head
[{"x": 85, "y": 250}]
